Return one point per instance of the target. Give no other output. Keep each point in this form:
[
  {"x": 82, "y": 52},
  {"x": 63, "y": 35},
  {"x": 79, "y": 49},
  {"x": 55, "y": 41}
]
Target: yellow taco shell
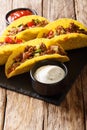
[
  {"x": 68, "y": 41},
  {"x": 25, "y": 66},
  {"x": 27, "y": 34},
  {"x": 5, "y": 51}
]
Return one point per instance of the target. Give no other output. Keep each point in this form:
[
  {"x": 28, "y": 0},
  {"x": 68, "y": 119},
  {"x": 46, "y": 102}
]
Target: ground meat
[
  {"x": 71, "y": 29},
  {"x": 43, "y": 47},
  {"x": 30, "y": 52},
  {"x": 13, "y": 67},
  {"x": 13, "y": 31},
  {"x": 59, "y": 30},
  {"x": 22, "y": 27},
  {"x": 18, "y": 58},
  {"x": 49, "y": 35},
  {"x": 42, "y": 23}
]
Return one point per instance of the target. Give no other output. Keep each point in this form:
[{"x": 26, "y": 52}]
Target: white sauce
[{"x": 49, "y": 74}]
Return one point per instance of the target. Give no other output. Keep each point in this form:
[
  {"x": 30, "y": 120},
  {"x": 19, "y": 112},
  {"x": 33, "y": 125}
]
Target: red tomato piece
[
  {"x": 9, "y": 40},
  {"x": 30, "y": 24},
  {"x": 18, "y": 41}
]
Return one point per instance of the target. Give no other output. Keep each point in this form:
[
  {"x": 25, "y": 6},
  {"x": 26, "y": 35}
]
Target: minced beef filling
[
  {"x": 22, "y": 27},
  {"x": 2, "y": 43},
  {"x": 33, "y": 51},
  {"x": 59, "y": 30}
]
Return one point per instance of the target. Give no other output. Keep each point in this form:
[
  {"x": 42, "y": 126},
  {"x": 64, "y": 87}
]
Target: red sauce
[{"x": 17, "y": 14}]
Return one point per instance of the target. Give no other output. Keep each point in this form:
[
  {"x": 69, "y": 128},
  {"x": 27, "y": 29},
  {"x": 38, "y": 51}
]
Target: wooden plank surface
[
  {"x": 33, "y": 4},
  {"x": 25, "y": 113},
  {"x": 81, "y": 15},
  {"x": 2, "y": 91},
  {"x": 2, "y": 15},
  {"x": 54, "y": 9},
  {"x": 69, "y": 115},
  {"x": 2, "y": 107},
  {"x": 84, "y": 85},
  {"x": 81, "y": 10}
]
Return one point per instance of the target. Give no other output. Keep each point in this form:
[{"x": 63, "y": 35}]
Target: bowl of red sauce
[{"x": 17, "y": 13}]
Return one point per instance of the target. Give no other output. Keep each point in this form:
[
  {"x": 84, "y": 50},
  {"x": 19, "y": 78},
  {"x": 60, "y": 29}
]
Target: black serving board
[{"x": 22, "y": 83}]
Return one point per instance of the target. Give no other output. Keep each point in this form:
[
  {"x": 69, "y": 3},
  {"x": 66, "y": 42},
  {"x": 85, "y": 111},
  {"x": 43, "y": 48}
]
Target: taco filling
[
  {"x": 9, "y": 40},
  {"x": 35, "y": 51},
  {"x": 22, "y": 27},
  {"x": 59, "y": 30}
]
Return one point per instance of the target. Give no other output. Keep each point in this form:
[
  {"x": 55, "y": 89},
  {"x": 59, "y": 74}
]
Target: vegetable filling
[
  {"x": 34, "y": 51},
  {"x": 22, "y": 27},
  {"x": 59, "y": 30},
  {"x": 9, "y": 40}
]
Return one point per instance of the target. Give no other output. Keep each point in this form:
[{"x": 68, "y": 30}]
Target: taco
[
  {"x": 70, "y": 33},
  {"x": 26, "y": 27},
  {"x": 33, "y": 51}
]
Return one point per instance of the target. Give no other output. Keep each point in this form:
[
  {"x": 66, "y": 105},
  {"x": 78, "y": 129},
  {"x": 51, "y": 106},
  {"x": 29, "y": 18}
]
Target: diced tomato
[
  {"x": 9, "y": 40},
  {"x": 18, "y": 41},
  {"x": 30, "y": 24},
  {"x": 12, "y": 41}
]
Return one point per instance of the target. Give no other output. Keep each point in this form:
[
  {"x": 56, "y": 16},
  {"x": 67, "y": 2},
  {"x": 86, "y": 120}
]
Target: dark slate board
[{"x": 22, "y": 83}]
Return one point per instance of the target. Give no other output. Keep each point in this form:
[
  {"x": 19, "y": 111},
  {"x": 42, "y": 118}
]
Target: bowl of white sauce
[{"x": 49, "y": 77}]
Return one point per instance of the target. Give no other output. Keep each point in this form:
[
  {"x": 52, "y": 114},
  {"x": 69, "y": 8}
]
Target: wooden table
[{"x": 20, "y": 112}]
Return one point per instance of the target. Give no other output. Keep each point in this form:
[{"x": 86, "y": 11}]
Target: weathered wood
[
  {"x": 23, "y": 113},
  {"x": 2, "y": 15},
  {"x": 54, "y": 9},
  {"x": 81, "y": 10},
  {"x": 2, "y": 91},
  {"x": 2, "y": 107},
  {"x": 33, "y": 4},
  {"x": 81, "y": 14},
  {"x": 69, "y": 115},
  {"x": 84, "y": 85}
]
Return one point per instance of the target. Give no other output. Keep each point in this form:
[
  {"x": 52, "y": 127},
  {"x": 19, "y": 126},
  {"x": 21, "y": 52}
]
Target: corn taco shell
[
  {"x": 18, "y": 62},
  {"x": 26, "y": 27},
  {"x": 74, "y": 41},
  {"x": 70, "y": 33},
  {"x": 5, "y": 52}
]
